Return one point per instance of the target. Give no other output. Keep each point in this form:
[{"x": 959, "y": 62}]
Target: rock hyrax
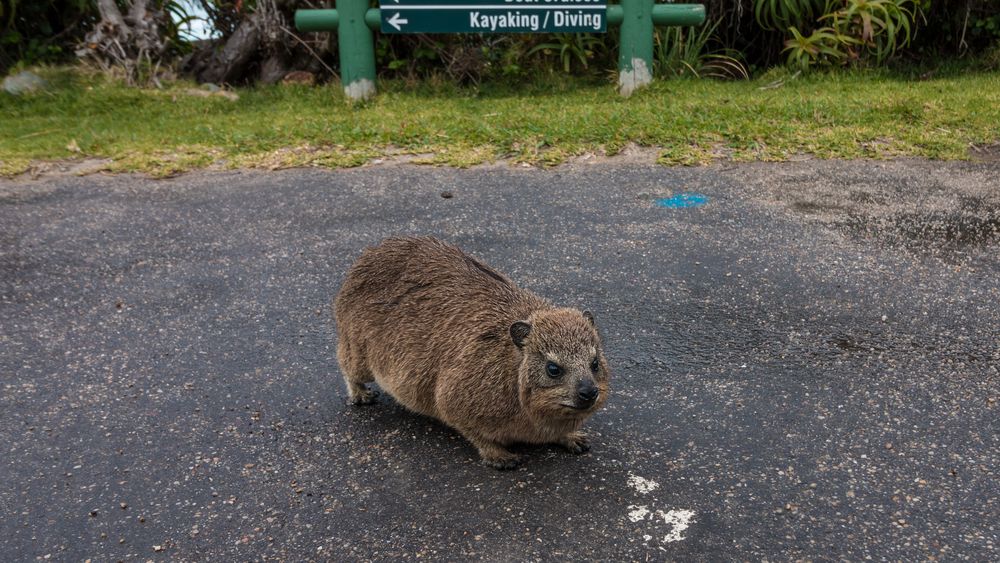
[{"x": 450, "y": 337}]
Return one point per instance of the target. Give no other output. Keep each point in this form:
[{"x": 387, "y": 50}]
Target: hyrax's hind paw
[
  {"x": 364, "y": 397},
  {"x": 496, "y": 456},
  {"x": 503, "y": 464},
  {"x": 576, "y": 442}
]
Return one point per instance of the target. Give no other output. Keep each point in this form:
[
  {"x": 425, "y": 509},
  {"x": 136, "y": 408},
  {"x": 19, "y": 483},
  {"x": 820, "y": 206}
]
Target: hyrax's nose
[{"x": 587, "y": 392}]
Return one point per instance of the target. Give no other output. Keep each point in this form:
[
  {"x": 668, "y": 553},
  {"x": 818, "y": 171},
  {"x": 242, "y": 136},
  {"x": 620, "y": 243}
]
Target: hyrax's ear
[
  {"x": 590, "y": 317},
  {"x": 519, "y": 331}
]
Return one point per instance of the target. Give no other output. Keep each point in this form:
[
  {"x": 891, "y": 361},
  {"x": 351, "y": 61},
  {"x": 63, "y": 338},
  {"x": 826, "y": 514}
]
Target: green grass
[{"x": 162, "y": 132}]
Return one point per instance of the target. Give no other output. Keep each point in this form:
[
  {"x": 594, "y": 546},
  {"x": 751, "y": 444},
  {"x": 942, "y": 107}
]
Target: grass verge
[{"x": 163, "y": 132}]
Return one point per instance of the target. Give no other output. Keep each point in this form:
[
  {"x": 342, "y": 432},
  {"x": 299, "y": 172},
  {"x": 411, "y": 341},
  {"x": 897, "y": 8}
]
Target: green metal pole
[
  {"x": 316, "y": 20},
  {"x": 373, "y": 17},
  {"x": 328, "y": 20},
  {"x": 357, "y": 50},
  {"x": 635, "y": 52},
  {"x": 664, "y": 14},
  {"x": 678, "y": 14}
]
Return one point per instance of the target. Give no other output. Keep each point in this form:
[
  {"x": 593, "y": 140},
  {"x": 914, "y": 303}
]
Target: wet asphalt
[{"x": 805, "y": 367}]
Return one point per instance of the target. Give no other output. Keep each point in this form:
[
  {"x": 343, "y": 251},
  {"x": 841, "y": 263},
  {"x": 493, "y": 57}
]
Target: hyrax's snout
[{"x": 586, "y": 393}]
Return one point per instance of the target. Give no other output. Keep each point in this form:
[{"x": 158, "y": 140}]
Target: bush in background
[
  {"x": 254, "y": 40},
  {"x": 42, "y": 31},
  {"x": 850, "y": 32}
]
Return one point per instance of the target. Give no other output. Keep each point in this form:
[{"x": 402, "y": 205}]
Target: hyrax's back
[{"x": 411, "y": 307}]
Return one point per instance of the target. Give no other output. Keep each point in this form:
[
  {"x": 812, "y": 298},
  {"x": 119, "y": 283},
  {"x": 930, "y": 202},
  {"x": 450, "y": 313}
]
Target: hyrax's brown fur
[{"x": 449, "y": 337}]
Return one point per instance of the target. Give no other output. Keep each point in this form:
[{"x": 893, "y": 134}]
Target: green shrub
[
  {"x": 853, "y": 31},
  {"x": 42, "y": 31},
  {"x": 49, "y": 31},
  {"x": 782, "y": 15},
  {"x": 872, "y": 28},
  {"x": 684, "y": 51},
  {"x": 571, "y": 48}
]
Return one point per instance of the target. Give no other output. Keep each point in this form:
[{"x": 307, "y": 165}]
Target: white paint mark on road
[
  {"x": 673, "y": 522},
  {"x": 679, "y": 520},
  {"x": 640, "y": 484},
  {"x": 639, "y": 513}
]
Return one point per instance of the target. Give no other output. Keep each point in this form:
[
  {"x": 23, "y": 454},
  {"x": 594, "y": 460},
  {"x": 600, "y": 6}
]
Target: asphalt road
[{"x": 804, "y": 367}]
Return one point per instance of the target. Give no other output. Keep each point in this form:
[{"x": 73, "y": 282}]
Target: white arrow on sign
[{"x": 398, "y": 22}]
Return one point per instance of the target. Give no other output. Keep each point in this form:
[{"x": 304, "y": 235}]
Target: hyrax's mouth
[{"x": 578, "y": 408}]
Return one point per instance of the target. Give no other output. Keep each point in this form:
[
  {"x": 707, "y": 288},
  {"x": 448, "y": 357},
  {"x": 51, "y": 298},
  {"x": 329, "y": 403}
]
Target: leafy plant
[
  {"x": 681, "y": 51},
  {"x": 880, "y": 27},
  {"x": 409, "y": 56},
  {"x": 855, "y": 30},
  {"x": 782, "y": 15},
  {"x": 179, "y": 21},
  {"x": 42, "y": 31},
  {"x": 570, "y": 47},
  {"x": 49, "y": 31},
  {"x": 824, "y": 46},
  {"x": 987, "y": 28}
]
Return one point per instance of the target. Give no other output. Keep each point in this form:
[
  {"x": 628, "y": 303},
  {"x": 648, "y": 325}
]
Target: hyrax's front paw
[
  {"x": 364, "y": 397},
  {"x": 576, "y": 442}
]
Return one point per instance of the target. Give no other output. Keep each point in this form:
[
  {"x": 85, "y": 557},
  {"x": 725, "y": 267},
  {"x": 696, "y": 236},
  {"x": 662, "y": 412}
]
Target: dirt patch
[
  {"x": 62, "y": 168},
  {"x": 926, "y": 207},
  {"x": 630, "y": 154},
  {"x": 985, "y": 153},
  {"x": 814, "y": 207},
  {"x": 941, "y": 229}
]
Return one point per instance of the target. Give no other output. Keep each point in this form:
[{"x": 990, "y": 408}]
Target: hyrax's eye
[
  {"x": 595, "y": 365},
  {"x": 553, "y": 369}
]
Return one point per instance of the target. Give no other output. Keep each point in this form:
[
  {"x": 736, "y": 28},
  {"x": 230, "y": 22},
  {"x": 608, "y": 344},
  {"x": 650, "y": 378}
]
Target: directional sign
[{"x": 494, "y": 16}]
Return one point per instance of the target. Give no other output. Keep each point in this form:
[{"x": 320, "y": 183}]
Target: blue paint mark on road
[{"x": 683, "y": 200}]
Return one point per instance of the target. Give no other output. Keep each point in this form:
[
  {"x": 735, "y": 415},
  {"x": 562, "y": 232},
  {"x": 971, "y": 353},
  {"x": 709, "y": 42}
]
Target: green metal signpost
[{"x": 354, "y": 21}]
